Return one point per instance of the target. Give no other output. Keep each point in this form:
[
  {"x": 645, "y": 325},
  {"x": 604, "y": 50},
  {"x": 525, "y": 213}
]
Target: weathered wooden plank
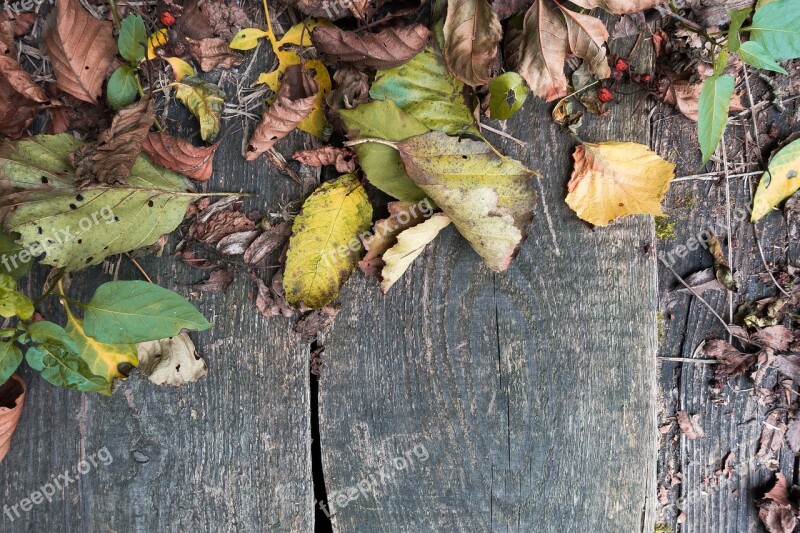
[
  {"x": 532, "y": 392},
  {"x": 229, "y": 453}
]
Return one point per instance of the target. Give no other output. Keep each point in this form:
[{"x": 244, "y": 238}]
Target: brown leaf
[
  {"x": 690, "y": 426},
  {"x": 539, "y": 52},
  {"x": 212, "y": 53},
  {"x": 702, "y": 281},
  {"x": 402, "y": 215},
  {"x": 775, "y": 337},
  {"x": 629, "y": 25},
  {"x": 722, "y": 270},
  {"x": 193, "y": 23},
  {"x": 388, "y": 48},
  {"x": 12, "y": 400},
  {"x": 472, "y": 34},
  {"x": 332, "y": 9},
  {"x": 20, "y": 98},
  {"x": 315, "y": 322},
  {"x": 352, "y": 89},
  {"x": 775, "y": 510},
  {"x": 732, "y": 362},
  {"x": 219, "y": 281},
  {"x": 294, "y": 103},
  {"x": 342, "y": 158},
  {"x": 508, "y": 8},
  {"x": 81, "y": 49},
  {"x": 267, "y": 242},
  {"x": 788, "y": 365},
  {"x": 771, "y": 435},
  {"x": 236, "y": 243},
  {"x": 793, "y": 436},
  {"x": 225, "y": 19},
  {"x": 110, "y": 158},
  {"x": 587, "y": 36},
  {"x": 271, "y": 301},
  {"x": 619, "y": 7},
  {"x": 14, "y": 25},
  {"x": 221, "y": 224},
  {"x": 180, "y": 155}
]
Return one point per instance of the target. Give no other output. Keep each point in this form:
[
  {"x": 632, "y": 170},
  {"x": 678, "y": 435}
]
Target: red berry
[
  {"x": 167, "y": 18},
  {"x": 647, "y": 78},
  {"x": 605, "y": 95},
  {"x": 621, "y": 65}
]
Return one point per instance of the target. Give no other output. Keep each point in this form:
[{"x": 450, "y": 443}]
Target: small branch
[
  {"x": 689, "y": 360},
  {"x": 138, "y": 267},
  {"x": 504, "y": 135},
  {"x": 370, "y": 140}
]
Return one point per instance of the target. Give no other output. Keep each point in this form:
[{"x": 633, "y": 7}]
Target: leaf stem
[
  {"x": 56, "y": 282},
  {"x": 370, "y": 140},
  {"x": 115, "y": 12}
]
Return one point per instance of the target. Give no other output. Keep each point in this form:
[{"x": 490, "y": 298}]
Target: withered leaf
[
  {"x": 507, "y": 8},
  {"x": 315, "y": 322},
  {"x": 81, "y": 49},
  {"x": 110, "y": 158},
  {"x": 173, "y": 361},
  {"x": 352, "y": 89},
  {"x": 224, "y": 18},
  {"x": 294, "y": 103},
  {"x": 775, "y": 510},
  {"x": 20, "y": 98},
  {"x": 221, "y": 224},
  {"x": 180, "y": 155},
  {"x": 619, "y": 7},
  {"x": 732, "y": 362},
  {"x": 236, "y": 243},
  {"x": 212, "y": 53},
  {"x": 14, "y": 25},
  {"x": 270, "y": 300},
  {"x": 690, "y": 425},
  {"x": 788, "y": 365},
  {"x": 12, "y": 400},
  {"x": 402, "y": 215},
  {"x": 775, "y": 337},
  {"x": 472, "y": 34},
  {"x": 388, "y": 48},
  {"x": 702, "y": 281},
  {"x": 587, "y": 36},
  {"x": 771, "y": 435},
  {"x": 219, "y": 281},
  {"x": 722, "y": 270},
  {"x": 793, "y": 436},
  {"x": 342, "y": 158},
  {"x": 332, "y": 9},
  {"x": 267, "y": 242}
]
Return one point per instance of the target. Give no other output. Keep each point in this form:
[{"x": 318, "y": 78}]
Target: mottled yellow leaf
[
  {"x": 615, "y": 179},
  {"x": 779, "y": 182},
  {"x": 247, "y": 39},
  {"x": 325, "y": 246},
  {"x": 180, "y": 68},
  {"x": 157, "y": 38},
  {"x": 410, "y": 243}
]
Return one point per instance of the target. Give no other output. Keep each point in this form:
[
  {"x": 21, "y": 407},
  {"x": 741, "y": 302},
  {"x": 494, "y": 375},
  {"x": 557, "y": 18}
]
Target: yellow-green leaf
[
  {"x": 779, "y": 182},
  {"x": 410, "y": 243},
  {"x": 12, "y": 303},
  {"x": 180, "y": 68},
  {"x": 247, "y": 39},
  {"x": 205, "y": 101},
  {"x": 325, "y": 247}
]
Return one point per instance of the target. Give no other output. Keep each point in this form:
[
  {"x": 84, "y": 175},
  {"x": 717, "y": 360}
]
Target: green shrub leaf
[
  {"x": 507, "y": 93},
  {"x": 132, "y": 38},
  {"x": 122, "y": 89},
  {"x": 715, "y": 100},
  {"x": 776, "y": 26}
]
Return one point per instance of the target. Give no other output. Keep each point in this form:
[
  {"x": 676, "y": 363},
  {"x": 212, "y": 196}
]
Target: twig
[
  {"x": 728, "y": 221},
  {"x": 664, "y": 10},
  {"x": 503, "y": 134},
  {"x": 138, "y": 267},
  {"x": 689, "y": 360},
  {"x": 714, "y": 176}
]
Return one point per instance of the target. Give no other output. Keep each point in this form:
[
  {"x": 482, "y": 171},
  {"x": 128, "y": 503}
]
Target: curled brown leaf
[
  {"x": 12, "y": 400},
  {"x": 20, "y": 98},
  {"x": 776, "y": 510},
  {"x": 332, "y": 9},
  {"x": 342, "y": 158},
  {"x": 388, "y": 48},
  {"x": 266, "y": 243},
  {"x": 212, "y": 53},
  {"x": 180, "y": 155}
]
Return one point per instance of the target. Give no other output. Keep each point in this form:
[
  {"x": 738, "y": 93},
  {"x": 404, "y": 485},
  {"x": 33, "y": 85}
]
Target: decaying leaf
[
  {"x": 402, "y": 215},
  {"x": 507, "y": 8},
  {"x": 332, "y": 9},
  {"x": 111, "y": 157},
  {"x": 352, "y": 89},
  {"x": 81, "y": 49},
  {"x": 271, "y": 300},
  {"x": 619, "y": 7},
  {"x": 410, "y": 244},
  {"x": 205, "y": 18},
  {"x": 325, "y": 246},
  {"x": 342, "y": 158},
  {"x": 388, "y": 48},
  {"x": 13, "y": 25},
  {"x": 771, "y": 435},
  {"x": 779, "y": 182},
  {"x": 218, "y": 281},
  {"x": 205, "y": 101},
  {"x": 172, "y": 361},
  {"x": 732, "y": 362},
  {"x": 212, "y": 53},
  {"x": 615, "y": 179},
  {"x": 778, "y": 338},
  {"x": 701, "y": 281},
  {"x": 180, "y": 155},
  {"x": 266, "y": 243},
  {"x": 587, "y": 37},
  {"x": 690, "y": 425},
  {"x": 775, "y": 510},
  {"x": 12, "y": 400},
  {"x": 315, "y": 322},
  {"x": 20, "y": 98},
  {"x": 472, "y": 35},
  {"x": 722, "y": 270},
  {"x": 294, "y": 103}
]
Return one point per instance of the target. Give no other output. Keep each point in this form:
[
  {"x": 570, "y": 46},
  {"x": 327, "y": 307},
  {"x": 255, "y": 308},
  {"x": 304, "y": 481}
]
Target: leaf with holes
[
  {"x": 507, "y": 93},
  {"x": 76, "y": 228}
]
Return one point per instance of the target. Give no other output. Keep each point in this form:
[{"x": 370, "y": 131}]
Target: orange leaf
[
  {"x": 12, "y": 398},
  {"x": 180, "y": 155}
]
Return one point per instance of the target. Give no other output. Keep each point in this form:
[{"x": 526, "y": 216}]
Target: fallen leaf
[
  {"x": 402, "y": 215},
  {"x": 507, "y": 94},
  {"x": 180, "y": 155},
  {"x": 388, "y": 48},
  {"x": 294, "y": 103},
  {"x": 219, "y": 281},
  {"x": 332, "y": 9},
  {"x": 587, "y": 36},
  {"x": 507, "y": 8},
  {"x": 775, "y": 510},
  {"x": 690, "y": 425},
  {"x": 793, "y": 436},
  {"x": 236, "y": 243},
  {"x": 173, "y": 361},
  {"x": 619, "y": 7},
  {"x": 788, "y": 365},
  {"x": 212, "y": 53},
  {"x": 732, "y": 362},
  {"x": 628, "y": 25},
  {"x": 771, "y": 435},
  {"x": 12, "y": 400},
  {"x": 315, "y": 322},
  {"x": 266, "y": 243},
  {"x": 702, "y": 281},
  {"x": 110, "y": 158},
  {"x": 180, "y": 68},
  {"x": 472, "y": 34},
  {"x": 778, "y": 338},
  {"x": 221, "y": 224},
  {"x": 352, "y": 89},
  {"x": 779, "y": 182},
  {"x": 722, "y": 270},
  {"x": 224, "y": 18},
  {"x": 20, "y": 98},
  {"x": 324, "y": 247},
  {"x": 341, "y": 158},
  {"x": 271, "y": 300},
  {"x": 13, "y": 25},
  {"x": 410, "y": 244},
  {"x": 205, "y": 101},
  {"x": 615, "y": 179},
  {"x": 81, "y": 49}
]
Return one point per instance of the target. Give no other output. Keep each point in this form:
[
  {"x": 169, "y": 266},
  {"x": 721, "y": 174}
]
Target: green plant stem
[
  {"x": 56, "y": 283},
  {"x": 114, "y": 12}
]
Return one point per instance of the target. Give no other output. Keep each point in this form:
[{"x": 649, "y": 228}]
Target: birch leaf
[
  {"x": 616, "y": 179},
  {"x": 779, "y": 182},
  {"x": 324, "y": 247},
  {"x": 410, "y": 244},
  {"x": 472, "y": 33}
]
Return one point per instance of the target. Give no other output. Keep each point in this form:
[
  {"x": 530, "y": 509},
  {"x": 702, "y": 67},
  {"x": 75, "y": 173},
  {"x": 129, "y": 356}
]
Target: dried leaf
[
  {"x": 81, "y": 49},
  {"x": 402, "y": 215},
  {"x": 690, "y": 425},
  {"x": 224, "y": 18},
  {"x": 271, "y": 301},
  {"x": 352, "y": 89},
  {"x": 507, "y": 8},
  {"x": 410, "y": 244},
  {"x": 587, "y": 36},
  {"x": 172, "y": 361},
  {"x": 619, "y": 7},
  {"x": 236, "y": 243},
  {"x": 472, "y": 35},
  {"x": 12, "y": 400},
  {"x": 205, "y": 101},
  {"x": 332, "y": 9},
  {"x": 111, "y": 157},
  {"x": 220, "y": 224},
  {"x": 778, "y": 338},
  {"x": 702, "y": 281},
  {"x": 793, "y": 436},
  {"x": 775, "y": 510},
  {"x": 14, "y": 25},
  {"x": 615, "y": 179},
  {"x": 213, "y": 53},
  {"x": 722, "y": 271},
  {"x": 180, "y": 155},
  {"x": 342, "y": 158},
  {"x": 219, "y": 281},
  {"x": 20, "y": 98},
  {"x": 294, "y": 103},
  {"x": 267, "y": 242},
  {"x": 388, "y": 48},
  {"x": 771, "y": 435},
  {"x": 732, "y": 362},
  {"x": 315, "y": 322},
  {"x": 788, "y": 365}
]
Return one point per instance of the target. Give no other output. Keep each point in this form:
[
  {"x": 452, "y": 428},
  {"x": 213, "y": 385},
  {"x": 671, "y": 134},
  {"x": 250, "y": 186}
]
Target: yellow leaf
[
  {"x": 157, "y": 39},
  {"x": 410, "y": 243},
  {"x": 108, "y": 361},
  {"x": 300, "y": 34},
  {"x": 205, "y": 101},
  {"x": 12, "y": 303},
  {"x": 247, "y": 39},
  {"x": 180, "y": 68},
  {"x": 615, "y": 179},
  {"x": 325, "y": 246},
  {"x": 779, "y": 182}
]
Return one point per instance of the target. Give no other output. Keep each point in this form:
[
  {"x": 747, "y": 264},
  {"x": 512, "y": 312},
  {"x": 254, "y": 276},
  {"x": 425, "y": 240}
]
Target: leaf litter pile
[{"x": 393, "y": 94}]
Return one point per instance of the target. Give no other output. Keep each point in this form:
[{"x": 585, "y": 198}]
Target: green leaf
[
  {"x": 381, "y": 164},
  {"x": 78, "y": 228},
  {"x": 129, "y": 312},
  {"x": 10, "y": 358},
  {"x": 776, "y": 26},
  {"x": 425, "y": 89},
  {"x": 715, "y": 100},
  {"x": 325, "y": 247},
  {"x": 507, "y": 93},
  {"x": 205, "y": 101},
  {"x": 12, "y": 303},
  {"x": 132, "y": 38},
  {"x": 721, "y": 62},
  {"x": 738, "y": 16},
  {"x": 122, "y": 87},
  {"x": 13, "y": 261},
  {"x": 755, "y": 55},
  {"x": 779, "y": 182},
  {"x": 56, "y": 356}
]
